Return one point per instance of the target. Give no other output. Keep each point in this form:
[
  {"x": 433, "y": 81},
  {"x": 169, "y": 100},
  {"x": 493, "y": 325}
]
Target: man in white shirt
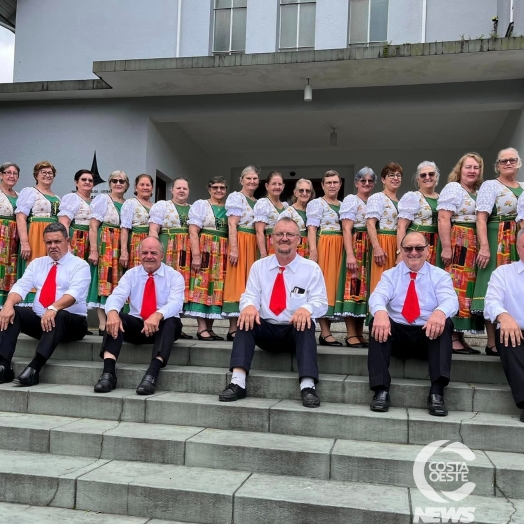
[
  {"x": 284, "y": 294},
  {"x": 156, "y": 297},
  {"x": 412, "y": 307},
  {"x": 503, "y": 305},
  {"x": 59, "y": 312}
]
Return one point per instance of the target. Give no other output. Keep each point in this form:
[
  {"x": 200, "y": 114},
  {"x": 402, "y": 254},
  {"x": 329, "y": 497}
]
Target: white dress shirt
[
  {"x": 169, "y": 288},
  {"x": 72, "y": 278},
  {"x": 505, "y": 292},
  {"x": 434, "y": 290},
  {"x": 305, "y": 287}
]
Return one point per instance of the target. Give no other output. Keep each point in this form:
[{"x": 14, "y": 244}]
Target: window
[
  {"x": 368, "y": 21},
  {"x": 230, "y": 26},
  {"x": 297, "y": 24}
]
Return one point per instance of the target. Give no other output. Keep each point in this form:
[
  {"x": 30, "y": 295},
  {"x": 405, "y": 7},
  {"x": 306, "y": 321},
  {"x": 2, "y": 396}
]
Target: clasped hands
[{"x": 114, "y": 324}]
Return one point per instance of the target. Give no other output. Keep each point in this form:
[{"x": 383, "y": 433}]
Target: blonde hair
[{"x": 454, "y": 176}]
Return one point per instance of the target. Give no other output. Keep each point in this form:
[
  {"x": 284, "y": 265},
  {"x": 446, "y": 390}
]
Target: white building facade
[{"x": 199, "y": 88}]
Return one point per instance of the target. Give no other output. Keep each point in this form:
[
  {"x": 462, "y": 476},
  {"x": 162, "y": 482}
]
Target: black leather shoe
[
  {"x": 436, "y": 406},
  {"x": 214, "y": 335},
  {"x": 28, "y": 377},
  {"x": 230, "y": 336},
  {"x": 184, "y": 336},
  {"x": 6, "y": 374},
  {"x": 106, "y": 383},
  {"x": 358, "y": 345},
  {"x": 522, "y": 416},
  {"x": 489, "y": 351},
  {"x": 147, "y": 386},
  {"x": 309, "y": 398},
  {"x": 380, "y": 401},
  {"x": 323, "y": 342},
  {"x": 231, "y": 393}
]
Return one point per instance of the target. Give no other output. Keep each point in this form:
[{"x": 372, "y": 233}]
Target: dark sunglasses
[
  {"x": 218, "y": 188},
  {"x": 431, "y": 174},
  {"x": 90, "y": 180},
  {"x": 117, "y": 181},
  {"x": 418, "y": 249},
  {"x": 306, "y": 191}
]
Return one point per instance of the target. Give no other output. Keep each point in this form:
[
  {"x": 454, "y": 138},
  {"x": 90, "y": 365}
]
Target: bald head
[{"x": 151, "y": 254}]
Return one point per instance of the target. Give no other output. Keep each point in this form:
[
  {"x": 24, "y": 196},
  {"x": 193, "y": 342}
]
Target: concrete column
[
  {"x": 196, "y": 28},
  {"x": 262, "y": 26},
  {"x": 332, "y": 22}
]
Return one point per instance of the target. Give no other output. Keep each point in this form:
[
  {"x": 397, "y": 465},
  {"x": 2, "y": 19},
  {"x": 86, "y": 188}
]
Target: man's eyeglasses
[
  {"x": 418, "y": 249},
  {"x": 394, "y": 175},
  {"x": 118, "y": 181},
  {"x": 280, "y": 236},
  {"x": 305, "y": 191},
  {"x": 431, "y": 174},
  {"x": 218, "y": 188},
  {"x": 332, "y": 183},
  {"x": 511, "y": 160}
]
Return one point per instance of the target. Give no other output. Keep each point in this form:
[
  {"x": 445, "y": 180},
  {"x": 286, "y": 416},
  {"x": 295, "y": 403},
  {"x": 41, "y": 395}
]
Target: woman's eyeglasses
[
  {"x": 365, "y": 181},
  {"x": 88, "y": 180},
  {"x": 218, "y": 188},
  {"x": 511, "y": 160},
  {"x": 394, "y": 175},
  {"x": 304, "y": 191},
  {"x": 431, "y": 174},
  {"x": 118, "y": 181}
]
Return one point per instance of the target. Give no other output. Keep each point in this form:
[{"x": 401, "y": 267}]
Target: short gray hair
[
  {"x": 420, "y": 167},
  {"x": 365, "y": 171},
  {"x": 6, "y": 165},
  {"x": 249, "y": 169},
  {"x": 519, "y": 160},
  {"x": 289, "y": 220},
  {"x": 56, "y": 227}
]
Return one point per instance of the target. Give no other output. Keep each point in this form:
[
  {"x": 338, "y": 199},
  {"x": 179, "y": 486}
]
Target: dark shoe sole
[
  {"x": 379, "y": 409},
  {"x": 19, "y": 384},
  {"x": 230, "y": 399}
]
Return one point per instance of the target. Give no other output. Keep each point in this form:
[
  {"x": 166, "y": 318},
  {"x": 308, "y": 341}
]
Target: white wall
[
  {"x": 60, "y": 39},
  {"x": 450, "y": 19},
  {"x": 262, "y": 26},
  {"x": 331, "y": 27},
  {"x": 404, "y": 21},
  {"x": 68, "y": 133},
  {"x": 196, "y": 28}
]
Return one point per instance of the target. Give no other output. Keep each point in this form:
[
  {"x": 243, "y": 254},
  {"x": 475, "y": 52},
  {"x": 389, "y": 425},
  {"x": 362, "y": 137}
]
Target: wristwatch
[{"x": 52, "y": 308}]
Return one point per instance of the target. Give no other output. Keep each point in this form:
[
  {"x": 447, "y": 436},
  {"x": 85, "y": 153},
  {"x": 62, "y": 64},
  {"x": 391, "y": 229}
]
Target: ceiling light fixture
[
  {"x": 333, "y": 138},
  {"x": 308, "y": 92}
]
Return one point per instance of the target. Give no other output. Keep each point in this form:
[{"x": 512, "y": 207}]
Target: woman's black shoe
[
  {"x": 358, "y": 345},
  {"x": 184, "y": 336},
  {"x": 323, "y": 342},
  {"x": 214, "y": 335},
  {"x": 230, "y": 336},
  {"x": 101, "y": 332},
  {"x": 207, "y": 339}
]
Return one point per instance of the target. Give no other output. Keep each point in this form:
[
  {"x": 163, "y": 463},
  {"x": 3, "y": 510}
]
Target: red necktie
[
  {"x": 48, "y": 291},
  {"x": 411, "y": 309},
  {"x": 277, "y": 303},
  {"x": 149, "y": 299}
]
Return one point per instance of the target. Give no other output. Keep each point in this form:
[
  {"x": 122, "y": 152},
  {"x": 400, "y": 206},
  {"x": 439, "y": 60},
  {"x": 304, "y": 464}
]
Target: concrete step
[
  {"x": 322, "y": 458},
  {"x": 338, "y": 361},
  {"x": 193, "y": 494},
  {"x": 347, "y": 389},
  {"x": 25, "y": 514},
  {"x": 484, "y": 431}
]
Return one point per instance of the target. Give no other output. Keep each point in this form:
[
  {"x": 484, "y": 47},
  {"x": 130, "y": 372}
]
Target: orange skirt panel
[
  {"x": 330, "y": 261},
  {"x": 389, "y": 244}
]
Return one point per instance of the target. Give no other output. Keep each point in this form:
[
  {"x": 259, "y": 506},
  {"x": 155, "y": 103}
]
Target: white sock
[
  {"x": 307, "y": 382},
  {"x": 239, "y": 379}
]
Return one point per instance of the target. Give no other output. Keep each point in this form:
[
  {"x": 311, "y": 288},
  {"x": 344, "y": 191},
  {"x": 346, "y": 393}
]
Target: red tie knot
[
  {"x": 281, "y": 269},
  {"x": 412, "y": 275},
  {"x": 150, "y": 275}
]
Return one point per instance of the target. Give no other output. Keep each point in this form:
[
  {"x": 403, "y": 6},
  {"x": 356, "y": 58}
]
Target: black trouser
[
  {"x": 68, "y": 328},
  {"x": 513, "y": 363},
  {"x": 410, "y": 342},
  {"x": 168, "y": 331},
  {"x": 277, "y": 338}
]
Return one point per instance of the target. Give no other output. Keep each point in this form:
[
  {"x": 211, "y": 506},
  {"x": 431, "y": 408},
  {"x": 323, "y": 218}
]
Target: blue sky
[{"x": 7, "y": 51}]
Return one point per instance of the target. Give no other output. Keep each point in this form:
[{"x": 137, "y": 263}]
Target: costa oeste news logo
[{"x": 429, "y": 471}]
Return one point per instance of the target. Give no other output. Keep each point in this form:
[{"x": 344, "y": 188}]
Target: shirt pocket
[{"x": 296, "y": 300}]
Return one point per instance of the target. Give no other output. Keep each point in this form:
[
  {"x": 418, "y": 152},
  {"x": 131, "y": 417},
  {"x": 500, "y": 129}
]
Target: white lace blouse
[
  {"x": 104, "y": 210},
  {"x": 74, "y": 207},
  {"x": 382, "y": 208},
  {"x": 456, "y": 199},
  {"x": 133, "y": 214},
  {"x": 320, "y": 214},
  {"x": 291, "y": 212},
  {"x": 495, "y": 193},
  {"x": 201, "y": 215},
  {"x": 32, "y": 202},
  {"x": 238, "y": 206},
  {"x": 6, "y": 208},
  {"x": 266, "y": 212},
  {"x": 413, "y": 206},
  {"x": 354, "y": 208},
  {"x": 164, "y": 213}
]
